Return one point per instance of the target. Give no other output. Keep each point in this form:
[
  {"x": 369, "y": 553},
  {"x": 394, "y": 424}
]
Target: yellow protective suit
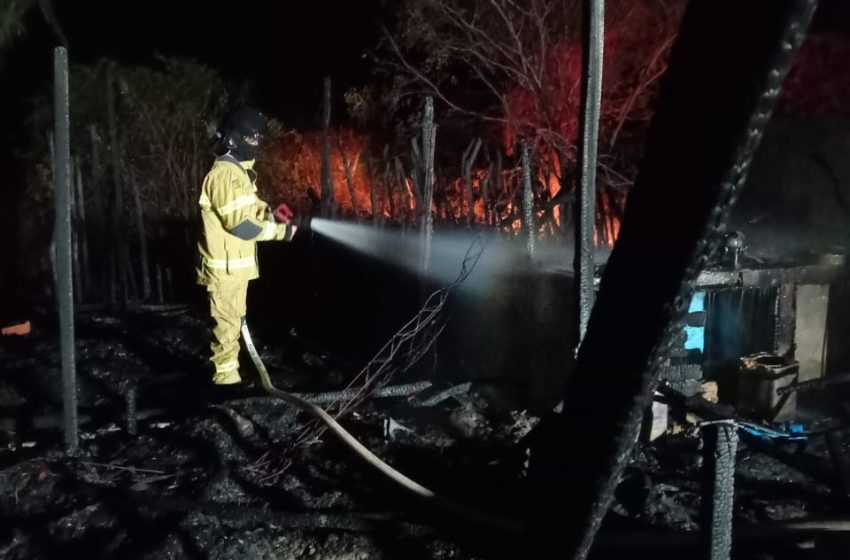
[{"x": 234, "y": 220}]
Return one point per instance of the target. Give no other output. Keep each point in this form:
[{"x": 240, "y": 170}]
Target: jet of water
[{"x": 504, "y": 253}]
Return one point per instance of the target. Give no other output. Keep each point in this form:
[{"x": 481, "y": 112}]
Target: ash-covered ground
[{"x": 205, "y": 478}]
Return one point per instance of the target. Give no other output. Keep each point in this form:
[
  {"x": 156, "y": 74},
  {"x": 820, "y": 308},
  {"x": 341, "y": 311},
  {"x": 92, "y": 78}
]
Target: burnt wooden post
[
  {"x": 119, "y": 275},
  {"x": 82, "y": 230},
  {"x": 429, "y": 136},
  {"x": 140, "y": 230},
  {"x": 720, "y": 445},
  {"x": 62, "y": 240},
  {"x": 528, "y": 225},
  {"x": 75, "y": 243},
  {"x": 591, "y": 95}
]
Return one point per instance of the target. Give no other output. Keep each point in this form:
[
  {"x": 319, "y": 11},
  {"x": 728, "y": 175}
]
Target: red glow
[
  {"x": 819, "y": 83},
  {"x": 294, "y": 163}
]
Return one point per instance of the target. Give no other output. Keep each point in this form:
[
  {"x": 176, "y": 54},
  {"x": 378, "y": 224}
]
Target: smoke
[{"x": 504, "y": 253}]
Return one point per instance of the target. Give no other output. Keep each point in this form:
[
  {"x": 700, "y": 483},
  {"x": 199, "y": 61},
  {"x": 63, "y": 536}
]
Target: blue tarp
[{"x": 696, "y": 335}]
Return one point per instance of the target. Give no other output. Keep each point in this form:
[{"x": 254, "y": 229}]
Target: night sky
[{"x": 282, "y": 49}]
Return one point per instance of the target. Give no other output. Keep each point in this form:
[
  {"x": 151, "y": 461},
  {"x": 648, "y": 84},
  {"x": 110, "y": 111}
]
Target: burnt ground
[{"x": 210, "y": 479}]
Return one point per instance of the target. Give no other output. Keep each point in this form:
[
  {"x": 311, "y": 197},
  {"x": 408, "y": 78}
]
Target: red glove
[{"x": 283, "y": 214}]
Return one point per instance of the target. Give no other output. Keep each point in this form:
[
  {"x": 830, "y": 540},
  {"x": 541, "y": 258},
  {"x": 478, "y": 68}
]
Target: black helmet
[{"x": 239, "y": 132}]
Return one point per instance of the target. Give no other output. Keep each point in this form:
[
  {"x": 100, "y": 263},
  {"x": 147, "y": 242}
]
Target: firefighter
[{"x": 234, "y": 220}]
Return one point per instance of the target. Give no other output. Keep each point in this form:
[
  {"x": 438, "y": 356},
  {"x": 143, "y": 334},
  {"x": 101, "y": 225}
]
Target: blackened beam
[
  {"x": 455, "y": 391},
  {"x": 720, "y": 447},
  {"x": 591, "y": 96},
  {"x": 771, "y": 276},
  {"x": 382, "y": 392},
  {"x": 815, "y": 384}
]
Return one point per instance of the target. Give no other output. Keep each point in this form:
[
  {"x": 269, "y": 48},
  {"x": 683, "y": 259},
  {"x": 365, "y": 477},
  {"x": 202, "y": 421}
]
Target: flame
[
  {"x": 294, "y": 163},
  {"x": 292, "y": 168}
]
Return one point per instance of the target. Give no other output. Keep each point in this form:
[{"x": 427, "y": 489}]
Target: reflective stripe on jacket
[{"x": 234, "y": 219}]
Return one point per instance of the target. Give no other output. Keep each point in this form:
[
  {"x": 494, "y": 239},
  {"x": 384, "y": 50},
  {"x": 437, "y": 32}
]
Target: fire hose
[{"x": 462, "y": 511}]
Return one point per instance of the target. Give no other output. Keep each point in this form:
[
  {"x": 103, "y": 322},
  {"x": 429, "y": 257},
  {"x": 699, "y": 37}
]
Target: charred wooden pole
[
  {"x": 132, "y": 410},
  {"x": 99, "y": 209},
  {"x": 426, "y": 216},
  {"x": 120, "y": 274},
  {"x": 327, "y": 205},
  {"x": 75, "y": 244},
  {"x": 62, "y": 239},
  {"x": 591, "y": 96},
  {"x": 143, "y": 244},
  {"x": 720, "y": 444},
  {"x": 82, "y": 230},
  {"x": 528, "y": 226}
]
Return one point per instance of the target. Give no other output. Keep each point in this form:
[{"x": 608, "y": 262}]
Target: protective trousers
[{"x": 227, "y": 307}]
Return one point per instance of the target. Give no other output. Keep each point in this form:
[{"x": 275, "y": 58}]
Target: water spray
[{"x": 505, "y": 254}]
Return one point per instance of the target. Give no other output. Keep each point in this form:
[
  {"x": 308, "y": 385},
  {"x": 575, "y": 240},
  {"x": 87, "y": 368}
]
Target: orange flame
[{"x": 292, "y": 172}]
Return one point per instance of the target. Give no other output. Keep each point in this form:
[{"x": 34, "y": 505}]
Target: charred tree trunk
[
  {"x": 328, "y": 204},
  {"x": 143, "y": 244},
  {"x": 118, "y": 199},
  {"x": 82, "y": 231},
  {"x": 99, "y": 208},
  {"x": 75, "y": 244}
]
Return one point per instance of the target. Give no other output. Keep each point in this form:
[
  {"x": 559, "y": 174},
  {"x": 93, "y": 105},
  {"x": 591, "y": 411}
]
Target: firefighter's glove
[
  {"x": 284, "y": 232},
  {"x": 303, "y": 223},
  {"x": 283, "y": 214}
]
